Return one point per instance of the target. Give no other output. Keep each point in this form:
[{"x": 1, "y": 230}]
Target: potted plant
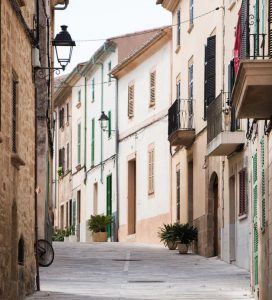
[
  {"x": 98, "y": 224},
  {"x": 60, "y": 171},
  {"x": 168, "y": 236},
  {"x": 185, "y": 235},
  {"x": 71, "y": 232},
  {"x": 67, "y": 233}
]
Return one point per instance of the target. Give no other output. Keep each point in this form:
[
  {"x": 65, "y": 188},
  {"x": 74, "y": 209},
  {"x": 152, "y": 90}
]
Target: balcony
[
  {"x": 181, "y": 130},
  {"x": 223, "y": 136},
  {"x": 252, "y": 93}
]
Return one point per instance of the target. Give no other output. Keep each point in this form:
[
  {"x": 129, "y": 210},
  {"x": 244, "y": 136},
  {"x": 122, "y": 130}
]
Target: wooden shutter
[
  {"x": 14, "y": 115},
  {"x": 191, "y": 12},
  {"x": 68, "y": 156},
  {"x": 131, "y": 101},
  {"x": 244, "y": 43},
  {"x": 61, "y": 118},
  {"x": 255, "y": 219},
  {"x": 109, "y": 124},
  {"x": 152, "y": 88},
  {"x": 93, "y": 89},
  {"x": 270, "y": 28},
  {"x": 178, "y": 28},
  {"x": 151, "y": 171},
  {"x": 263, "y": 217},
  {"x": 93, "y": 141},
  {"x": 205, "y": 84},
  {"x": 78, "y": 143},
  {"x": 211, "y": 69}
]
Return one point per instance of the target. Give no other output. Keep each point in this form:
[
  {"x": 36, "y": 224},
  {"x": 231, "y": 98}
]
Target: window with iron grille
[
  {"x": 178, "y": 28},
  {"x": 152, "y": 82},
  {"x": 151, "y": 154},
  {"x": 14, "y": 115},
  {"x": 243, "y": 202},
  {"x": 131, "y": 101}
]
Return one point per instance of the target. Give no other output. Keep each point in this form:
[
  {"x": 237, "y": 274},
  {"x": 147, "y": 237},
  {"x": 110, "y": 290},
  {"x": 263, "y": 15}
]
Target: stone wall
[{"x": 16, "y": 182}]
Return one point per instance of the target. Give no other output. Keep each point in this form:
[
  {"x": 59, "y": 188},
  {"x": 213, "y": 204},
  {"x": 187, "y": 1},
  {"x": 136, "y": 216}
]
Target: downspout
[
  {"x": 117, "y": 156},
  {"x": 85, "y": 127}
]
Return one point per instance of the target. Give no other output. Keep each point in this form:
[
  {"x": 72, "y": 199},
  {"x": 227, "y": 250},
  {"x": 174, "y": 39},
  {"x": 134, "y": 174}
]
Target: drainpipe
[
  {"x": 85, "y": 126},
  {"x": 117, "y": 156}
]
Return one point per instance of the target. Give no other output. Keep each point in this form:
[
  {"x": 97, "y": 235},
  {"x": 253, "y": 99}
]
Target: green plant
[
  {"x": 60, "y": 171},
  {"x": 58, "y": 235},
  {"x": 98, "y": 223},
  {"x": 167, "y": 233},
  {"x": 185, "y": 233},
  {"x": 70, "y": 230}
]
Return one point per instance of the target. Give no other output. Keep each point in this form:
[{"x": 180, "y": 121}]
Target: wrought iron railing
[
  {"x": 181, "y": 115},
  {"x": 220, "y": 117}
]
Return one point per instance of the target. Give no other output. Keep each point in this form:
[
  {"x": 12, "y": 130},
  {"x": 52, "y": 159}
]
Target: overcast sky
[{"x": 95, "y": 19}]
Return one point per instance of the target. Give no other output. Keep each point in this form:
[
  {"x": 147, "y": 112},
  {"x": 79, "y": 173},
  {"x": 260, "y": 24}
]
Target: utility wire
[{"x": 151, "y": 30}]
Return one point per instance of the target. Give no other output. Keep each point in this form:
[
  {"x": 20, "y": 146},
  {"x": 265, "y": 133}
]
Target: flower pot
[
  {"x": 172, "y": 245},
  {"x": 99, "y": 236},
  {"x": 182, "y": 248}
]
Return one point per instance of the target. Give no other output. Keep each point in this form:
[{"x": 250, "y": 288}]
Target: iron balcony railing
[
  {"x": 181, "y": 115},
  {"x": 220, "y": 117}
]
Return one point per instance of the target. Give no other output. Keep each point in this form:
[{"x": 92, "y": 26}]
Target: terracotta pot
[
  {"x": 182, "y": 248},
  {"x": 172, "y": 245},
  {"x": 99, "y": 236}
]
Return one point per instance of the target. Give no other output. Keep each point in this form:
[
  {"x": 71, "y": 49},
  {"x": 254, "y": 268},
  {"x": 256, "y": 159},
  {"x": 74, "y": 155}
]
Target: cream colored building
[{"x": 144, "y": 158}]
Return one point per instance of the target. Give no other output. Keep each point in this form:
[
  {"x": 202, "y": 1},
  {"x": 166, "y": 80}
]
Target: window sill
[
  {"x": 191, "y": 26},
  {"x": 17, "y": 161},
  {"x": 78, "y": 105},
  {"x": 242, "y": 217},
  {"x": 231, "y": 5},
  {"x": 177, "y": 49}
]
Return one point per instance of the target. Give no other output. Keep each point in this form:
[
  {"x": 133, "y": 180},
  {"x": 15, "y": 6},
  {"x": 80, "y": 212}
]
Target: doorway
[
  {"x": 232, "y": 219},
  {"x": 215, "y": 218},
  {"x": 178, "y": 194},
  {"x": 132, "y": 197},
  {"x": 78, "y": 215},
  {"x": 109, "y": 202},
  {"x": 190, "y": 192}
]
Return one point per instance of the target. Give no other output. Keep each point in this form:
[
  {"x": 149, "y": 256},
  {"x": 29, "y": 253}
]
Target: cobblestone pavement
[{"x": 104, "y": 271}]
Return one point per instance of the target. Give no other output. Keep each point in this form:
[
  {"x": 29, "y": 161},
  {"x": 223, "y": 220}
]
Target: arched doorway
[{"x": 213, "y": 212}]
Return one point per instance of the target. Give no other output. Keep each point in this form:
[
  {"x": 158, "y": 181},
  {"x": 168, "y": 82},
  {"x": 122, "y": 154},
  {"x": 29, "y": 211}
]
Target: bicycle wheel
[{"x": 45, "y": 253}]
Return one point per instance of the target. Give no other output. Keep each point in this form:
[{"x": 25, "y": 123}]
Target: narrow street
[{"x": 134, "y": 271}]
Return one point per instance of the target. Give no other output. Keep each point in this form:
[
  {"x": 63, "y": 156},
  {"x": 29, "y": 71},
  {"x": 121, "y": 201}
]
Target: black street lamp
[
  {"x": 103, "y": 120},
  {"x": 63, "y": 44}
]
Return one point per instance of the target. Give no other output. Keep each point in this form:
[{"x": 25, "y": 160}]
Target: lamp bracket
[{"x": 41, "y": 71}]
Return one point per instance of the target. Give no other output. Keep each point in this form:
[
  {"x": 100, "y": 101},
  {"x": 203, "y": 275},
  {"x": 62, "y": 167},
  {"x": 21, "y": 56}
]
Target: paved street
[{"x": 105, "y": 271}]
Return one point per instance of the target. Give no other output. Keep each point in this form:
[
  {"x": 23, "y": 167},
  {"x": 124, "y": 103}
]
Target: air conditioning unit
[{"x": 36, "y": 58}]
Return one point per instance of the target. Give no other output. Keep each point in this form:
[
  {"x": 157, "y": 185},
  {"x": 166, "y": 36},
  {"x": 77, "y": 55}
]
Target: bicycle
[{"x": 45, "y": 253}]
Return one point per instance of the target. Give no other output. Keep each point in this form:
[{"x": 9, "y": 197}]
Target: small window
[
  {"x": 191, "y": 12},
  {"x": 109, "y": 69},
  {"x": 21, "y": 252},
  {"x": 151, "y": 154},
  {"x": 152, "y": 80},
  {"x": 242, "y": 192},
  {"x": 67, "y": 112},
  {"x": 93, "y": 89},
  {"x": 131, "y": 101},
  {"x": 79, "y": 96},
  {"x": 61, "y": 118},
  {"x": 178, "y": 28}
]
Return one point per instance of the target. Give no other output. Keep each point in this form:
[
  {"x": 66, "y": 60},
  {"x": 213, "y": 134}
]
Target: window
[
  {"x": 62, "y": 159},
  {"x": 109, "y": 124},
  {"x": 190, "y": 93},
  {"x": 78, "y": 206},
  {"x": 191, "y": 12},
  {"x": 178, "y": 193},
  {"x": 93, "y": 91},
  {"x": 152, "y": 80},
  {"x": 109, "y": 69},
  {"x": 67, "y": 155},
  {"x": 210, "y": 72},
  {"x": 79, "y": 96},
  {"x": 21, "y": 252},
  {"x": 131, "y": 101},
  {"x": 78, "y": 143},
  {"x": 263, "y": 212},
  {"x": 61, "y": 118},
  {"x": 67, "y": 112},
  {"x": 242, "y": 192},
  {"x": 178, "y": 91},
  {"x": 178, "y": 28},
  {"x": 14, "y": 115},
  {"x": 93, "y": 141},
  {"x": 151, "y": 153}
]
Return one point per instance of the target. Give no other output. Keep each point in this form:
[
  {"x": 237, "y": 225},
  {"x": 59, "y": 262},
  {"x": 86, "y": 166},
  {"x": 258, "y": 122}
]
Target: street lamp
[
  {"x": 63, "y": 44},
  {"x": 103, "y": 120}
]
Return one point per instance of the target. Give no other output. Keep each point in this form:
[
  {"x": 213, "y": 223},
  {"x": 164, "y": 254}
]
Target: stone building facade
[{"x": 17, "y": 151}]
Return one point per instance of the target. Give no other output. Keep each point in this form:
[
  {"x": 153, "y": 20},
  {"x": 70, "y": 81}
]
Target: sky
[{"x": 96, "y": 19}]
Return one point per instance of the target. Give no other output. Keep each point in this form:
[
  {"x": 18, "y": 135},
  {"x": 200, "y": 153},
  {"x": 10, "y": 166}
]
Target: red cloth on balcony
[{"x": 237, "y": 45}]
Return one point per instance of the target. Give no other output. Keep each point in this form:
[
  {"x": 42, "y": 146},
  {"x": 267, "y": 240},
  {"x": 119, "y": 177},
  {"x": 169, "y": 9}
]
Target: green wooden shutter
[
  {"x": 256, "y": 28},
  {"x": 78, "y": 143},
  {"x": 109, "y": 124},
  {"x": 93, "y": 89},
  {"x": 109, "y": 201},
  {"x": 263, "y": 184},
  {"x": 93, "y": 141},
  {"x": 74, "y": 213},
  {"x": 255, "y": 216}
]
